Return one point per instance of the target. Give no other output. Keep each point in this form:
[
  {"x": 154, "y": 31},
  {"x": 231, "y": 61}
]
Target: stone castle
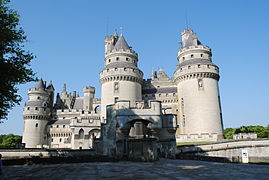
[{"x": 158, "y": 111}]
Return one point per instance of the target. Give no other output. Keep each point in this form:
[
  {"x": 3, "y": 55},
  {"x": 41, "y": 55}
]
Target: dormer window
[{"x": 117, "y": 58}]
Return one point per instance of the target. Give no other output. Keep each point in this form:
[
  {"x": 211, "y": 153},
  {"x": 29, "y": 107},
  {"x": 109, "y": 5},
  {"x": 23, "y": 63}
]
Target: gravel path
[{"x": 161, "y": 170}]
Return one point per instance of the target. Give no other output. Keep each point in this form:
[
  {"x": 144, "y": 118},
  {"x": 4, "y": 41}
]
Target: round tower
[
  {"x": 198, "y": 93},
  {"x": 36, "y": 115},
  {"x": 120, "y": 79}
]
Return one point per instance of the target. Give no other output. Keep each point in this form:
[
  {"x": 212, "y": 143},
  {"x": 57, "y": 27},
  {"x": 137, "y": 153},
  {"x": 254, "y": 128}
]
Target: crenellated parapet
[
  {"x": 112, "y": 78},
  {"x": 196, "y": 71},
  {"x": 199, "y": 51}
]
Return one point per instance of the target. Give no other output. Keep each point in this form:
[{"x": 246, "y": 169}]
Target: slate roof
[
  {"x": 121, "y": 44},
  {"x": 78, "y": 103},
  {"x": 34, "y": 103},
  {"x": 159, "y": 90},
  {"x": 121, "y": 65},
  {"x": 195, "y": 61},
  {"x": 40, "y": 84},
  {"x": 61, "y": 121}
]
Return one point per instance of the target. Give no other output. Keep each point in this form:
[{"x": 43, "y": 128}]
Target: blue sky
[{"x": 67, "y": 38}]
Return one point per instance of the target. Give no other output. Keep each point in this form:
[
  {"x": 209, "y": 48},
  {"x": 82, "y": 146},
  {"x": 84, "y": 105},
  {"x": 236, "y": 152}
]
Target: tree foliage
[
  {"x": 262, "y": 132},
  {"x": 14, "y": 59},
  {"x": 10, "y": 140}
]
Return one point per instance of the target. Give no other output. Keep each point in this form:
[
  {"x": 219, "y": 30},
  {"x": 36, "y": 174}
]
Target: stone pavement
[{"x": 160, "y": 170}]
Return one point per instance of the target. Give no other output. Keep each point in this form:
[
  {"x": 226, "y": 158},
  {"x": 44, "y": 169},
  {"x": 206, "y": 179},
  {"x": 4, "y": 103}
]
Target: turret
[
  {"x": 50, "y": 89},
  {"x": 198, "y": 93},
  {"x": 67, "y": 99},
  {"x": 88, "y": 98},
  {"x": 36, "y": 114},
  {"x": 121, "y": 79}
]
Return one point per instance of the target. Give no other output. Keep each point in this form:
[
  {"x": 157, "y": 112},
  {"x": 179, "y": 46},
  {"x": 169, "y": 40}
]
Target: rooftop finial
[
  {"x": 121, "y": 30},
  {"x": 187, "y": 24}
]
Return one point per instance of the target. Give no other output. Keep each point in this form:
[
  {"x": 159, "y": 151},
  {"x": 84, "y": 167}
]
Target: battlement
[
  {"x": 204, "y": 137},
  {"x": 89, "y": 89},
  {"x": 196, "y": 71},
  {"x": 152, "y": 106},
  {"x": 201, "y": 47},
  {"x": 79, "y": 112},
  {"x": 121, "y": 71},
  {"x": 92, "y": 121}
]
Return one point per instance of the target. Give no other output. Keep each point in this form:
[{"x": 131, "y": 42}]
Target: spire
[
  {"x": 115, "y": 34},
  {"x": 121, "y": 44},
  {"x": 153, "y": 74},
  {"x": 64, "y": 89},
  {"x": 40, "y": 84}
]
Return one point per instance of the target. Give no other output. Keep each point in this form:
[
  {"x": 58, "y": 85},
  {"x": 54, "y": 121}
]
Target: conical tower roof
[
  {"x": 121, "y": 44},
  {"x": 40, "y": 84},
  {"x": 50, "y": 86}
]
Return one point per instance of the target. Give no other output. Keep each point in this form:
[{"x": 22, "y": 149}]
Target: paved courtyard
[{"x": 161, "y": 170}]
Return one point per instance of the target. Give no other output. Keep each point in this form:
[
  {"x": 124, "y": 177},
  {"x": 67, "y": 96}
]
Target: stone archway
[
  {"x": 139, "y": 128},
  {"x": 93, "y": 134},
  {"x": 97, "y": 108}
]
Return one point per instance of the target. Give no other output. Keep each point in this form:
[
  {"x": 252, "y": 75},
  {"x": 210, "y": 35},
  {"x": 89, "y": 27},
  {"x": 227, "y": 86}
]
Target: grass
[{"x": 191, "y": 143}]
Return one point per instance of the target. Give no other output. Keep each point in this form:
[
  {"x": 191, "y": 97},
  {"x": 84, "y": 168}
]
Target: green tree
[
  {"x": 9, "y": 140},
  {"x": 228, "y": 133},
  {"x": 14, "y": 59},
  {"x": 262, "y": 132}
]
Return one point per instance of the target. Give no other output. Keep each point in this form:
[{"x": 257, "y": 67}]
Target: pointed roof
[
  {"x": 121, "y": 44},
  {"x": 50, "y": 86},
  {"x": 115, "y": 34},
  {"x": 40, "y": 84}
]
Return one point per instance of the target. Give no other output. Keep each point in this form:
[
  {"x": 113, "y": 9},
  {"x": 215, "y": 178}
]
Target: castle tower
[
  {"x": 198, "y": 93},
  {"x": 88, "y": 98},
  {"x": 36, "y": 115},
  {"x": 120, "y": 79}
]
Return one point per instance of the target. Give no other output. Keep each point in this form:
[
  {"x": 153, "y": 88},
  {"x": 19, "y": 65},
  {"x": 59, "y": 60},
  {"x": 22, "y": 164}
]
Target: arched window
[
  {"x": 97, "y": 109},
  {"x": 81, "y": 134}
]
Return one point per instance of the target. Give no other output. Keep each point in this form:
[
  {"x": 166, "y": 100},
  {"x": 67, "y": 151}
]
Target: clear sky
[{"x": 67, "y": 38}]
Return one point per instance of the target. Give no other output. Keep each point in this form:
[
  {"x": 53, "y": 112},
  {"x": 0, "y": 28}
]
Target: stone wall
[
  {"x": 44, "y": 153},
  {"x": 230, "y": 151}
]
